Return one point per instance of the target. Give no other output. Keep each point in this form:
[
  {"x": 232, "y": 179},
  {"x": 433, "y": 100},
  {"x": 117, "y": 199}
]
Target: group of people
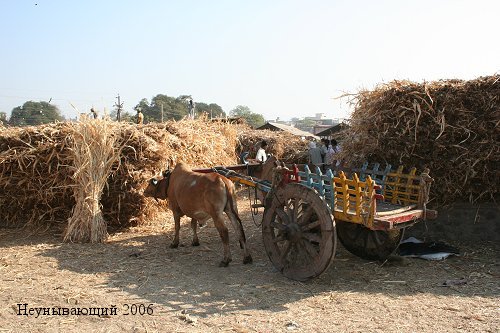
[{"x": 325, "y": 156}]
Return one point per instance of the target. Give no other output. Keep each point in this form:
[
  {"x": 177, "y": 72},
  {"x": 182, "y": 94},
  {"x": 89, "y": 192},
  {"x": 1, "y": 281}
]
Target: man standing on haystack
[
  {"x": 93, "y": 113},
  {"x": 191, "y": 108},
  {"x": 140, "y": 117}
]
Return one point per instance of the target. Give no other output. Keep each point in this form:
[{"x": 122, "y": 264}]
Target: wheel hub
[{"x": 293, "y": 232}]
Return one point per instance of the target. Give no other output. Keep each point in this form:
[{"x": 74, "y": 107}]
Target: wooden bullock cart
[{"x": 305, "y": 211}]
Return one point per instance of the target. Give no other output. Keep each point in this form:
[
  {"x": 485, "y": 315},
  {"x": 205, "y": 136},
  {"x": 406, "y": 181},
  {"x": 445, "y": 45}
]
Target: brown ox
[{"x": 200, "y": 197}]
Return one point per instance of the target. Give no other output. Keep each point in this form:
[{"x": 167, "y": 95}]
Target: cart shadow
[{"x": 188, "y": 278}]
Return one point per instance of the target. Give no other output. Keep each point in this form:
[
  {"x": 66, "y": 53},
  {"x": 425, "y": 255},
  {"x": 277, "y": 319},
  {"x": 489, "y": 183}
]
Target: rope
[
  {"x": 255, "y": 211},
  {"x": 425, "y": 188}
]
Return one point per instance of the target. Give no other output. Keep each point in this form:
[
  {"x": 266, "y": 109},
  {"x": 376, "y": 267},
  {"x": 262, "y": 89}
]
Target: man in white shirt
[{"x": 261, "y": 153}]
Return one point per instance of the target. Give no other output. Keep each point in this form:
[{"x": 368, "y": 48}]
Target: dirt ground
[{"x": 186, "y": 291}]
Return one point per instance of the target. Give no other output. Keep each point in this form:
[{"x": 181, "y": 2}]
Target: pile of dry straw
[
  {"x": 452, "y": 127},
  {"x": 287, "y": 147},
  {"x": 89, "y": 175},
  {"x": 79, "y": 175}
]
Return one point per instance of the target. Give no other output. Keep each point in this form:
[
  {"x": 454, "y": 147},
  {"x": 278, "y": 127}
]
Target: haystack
[
  {"x": 450, "y": 126},
  {"x": 35, "y": 180},
  {"x": 149, "y": 150},
  {"x": 92, "y": 173},
  {"x": 38, "y": 164},
  {"x": 284, "y": 145}
]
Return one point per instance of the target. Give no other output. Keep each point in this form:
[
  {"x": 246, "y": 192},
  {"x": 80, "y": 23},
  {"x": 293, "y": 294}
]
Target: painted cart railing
[{"x": 370, "y": 196}]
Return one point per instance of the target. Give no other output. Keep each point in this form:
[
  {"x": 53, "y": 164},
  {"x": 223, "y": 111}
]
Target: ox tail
[{"x": 231, "y": 207}]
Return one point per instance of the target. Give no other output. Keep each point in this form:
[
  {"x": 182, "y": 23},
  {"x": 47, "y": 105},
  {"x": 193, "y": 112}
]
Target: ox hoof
[
  {"x": 174, "y": 245},
  {"x": 247, "y": 260},
  {"x": 224, "y": 263},
  {"x": 195, "y": 243}
]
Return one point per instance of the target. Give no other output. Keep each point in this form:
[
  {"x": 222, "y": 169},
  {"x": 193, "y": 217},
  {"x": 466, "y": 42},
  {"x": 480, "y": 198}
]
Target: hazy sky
[{"x": 280, "y": 58}]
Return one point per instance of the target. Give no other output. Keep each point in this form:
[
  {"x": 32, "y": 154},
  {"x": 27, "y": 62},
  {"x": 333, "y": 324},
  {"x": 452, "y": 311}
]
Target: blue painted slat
[
  {"x": 362, "y": 171},
  {"x": 320, "y": 184},
  {"x": 329, "y": 189}
]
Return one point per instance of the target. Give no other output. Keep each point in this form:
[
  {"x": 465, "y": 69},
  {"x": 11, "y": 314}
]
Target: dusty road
[{"x": 184, "y": 291}]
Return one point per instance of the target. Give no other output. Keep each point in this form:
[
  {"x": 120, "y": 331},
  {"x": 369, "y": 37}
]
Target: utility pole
[
  {"x": 119, "y": 107},
  {"x": 161, "y": 108}
]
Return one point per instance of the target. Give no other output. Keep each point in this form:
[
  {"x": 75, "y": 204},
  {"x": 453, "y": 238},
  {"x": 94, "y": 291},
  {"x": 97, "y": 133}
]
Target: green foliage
[
  {"x": 35, "y": 113},
  {"x": 3, "y": 118},
  {"x": 174, "y": 108},
  {"x": 253, "y": 119},
  {"x": 305, "y": 124},
  {"x": 212, "y": 110}
]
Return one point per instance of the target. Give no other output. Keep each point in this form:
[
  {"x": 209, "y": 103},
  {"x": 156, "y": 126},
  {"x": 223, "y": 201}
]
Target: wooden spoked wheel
[
  {"x": 366, "y": 243},
  {"x": 298, "y": 232}
]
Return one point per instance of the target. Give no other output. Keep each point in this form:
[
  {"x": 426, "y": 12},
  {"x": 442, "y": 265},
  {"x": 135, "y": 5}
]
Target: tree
[
  {"x": 173, "y": 108},
  {"x": 305, "y": 125},
  {"x": 253, "y": 119},
  {"x": 125, "y": 116},
  {"x": 144, "y": 107},
  {"x": 35, "y": 113},
  {"x": 3, "y": 118},
  {"x": 212, "y": 110}
]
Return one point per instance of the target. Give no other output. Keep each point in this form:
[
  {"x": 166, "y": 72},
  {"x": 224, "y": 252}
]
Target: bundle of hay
[
  {"x": 95, "y": 150},
  {"x": 284, "y": 145},
  {"x": 451, "y": 126}
]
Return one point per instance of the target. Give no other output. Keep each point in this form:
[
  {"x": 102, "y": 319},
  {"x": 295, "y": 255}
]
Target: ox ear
[{"x": 166, "y": 173}]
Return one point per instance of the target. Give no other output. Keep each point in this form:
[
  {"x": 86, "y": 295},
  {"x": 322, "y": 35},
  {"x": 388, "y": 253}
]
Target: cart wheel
[
  {"x": 298, "y": 232},
  {"x": 366, "y": 243}
]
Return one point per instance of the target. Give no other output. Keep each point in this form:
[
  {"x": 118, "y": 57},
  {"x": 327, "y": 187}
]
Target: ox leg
[
  {"x": 238, "y": 227},
  {"x": 224, "y": 235},
  {"x": 194, "y": 226},
  {"x": 177, "y": 220}
]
